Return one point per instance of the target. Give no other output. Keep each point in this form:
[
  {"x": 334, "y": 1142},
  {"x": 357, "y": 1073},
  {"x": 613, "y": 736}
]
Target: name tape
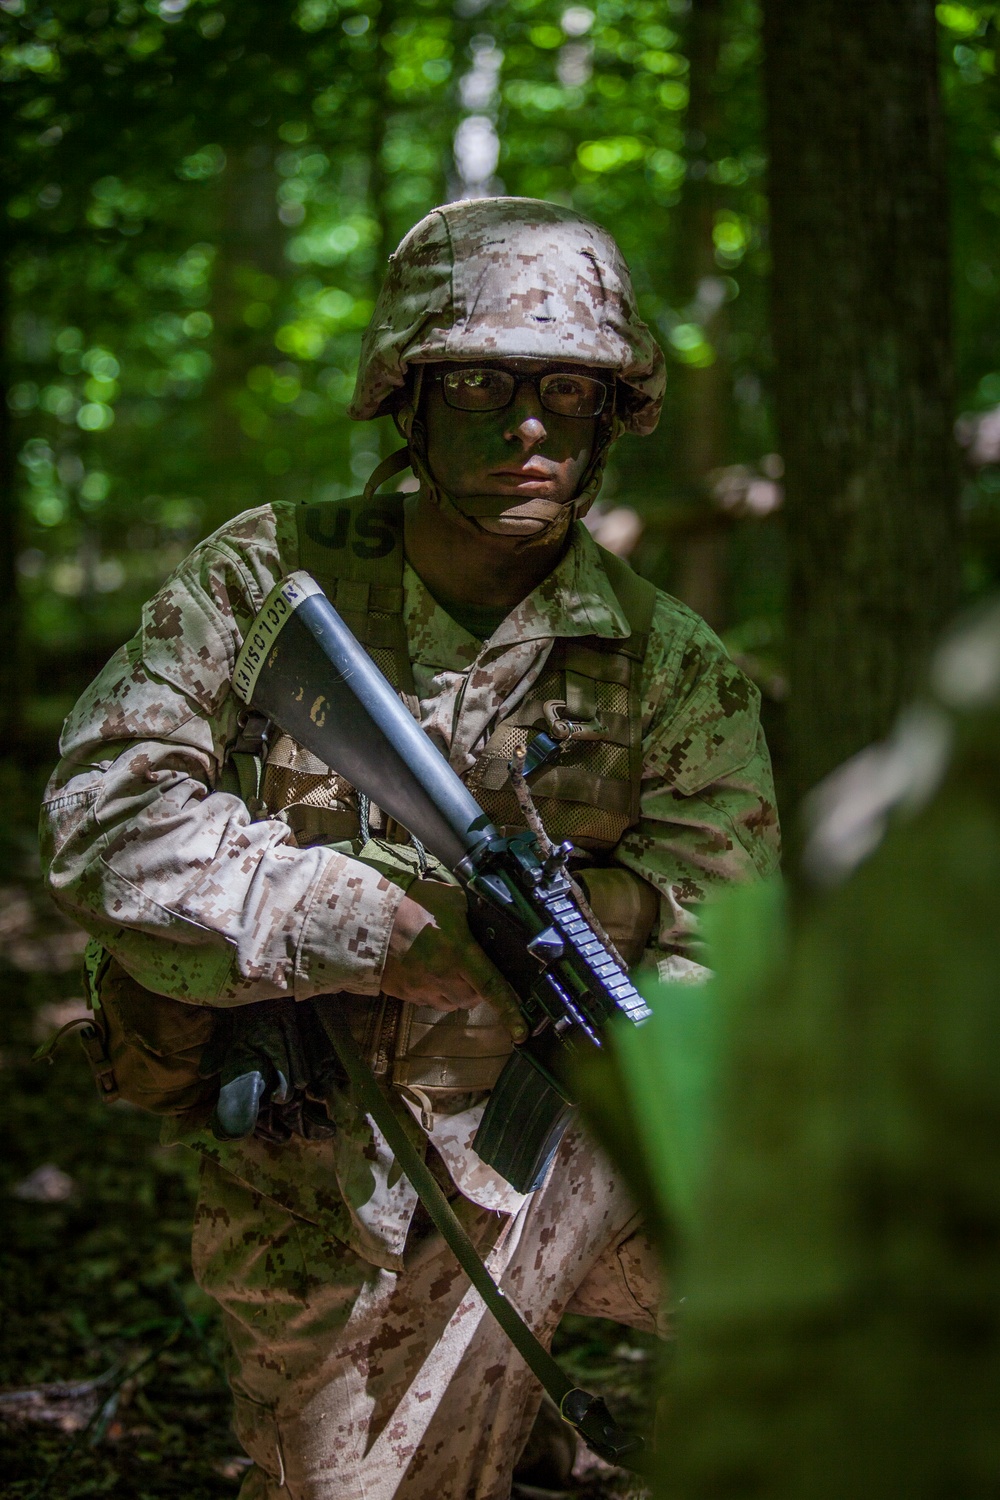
[{"x": 278, "y": 608}]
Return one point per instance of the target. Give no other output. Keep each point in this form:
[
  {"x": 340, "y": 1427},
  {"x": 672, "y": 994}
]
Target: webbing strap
[
  {"x": 586, "y": 1413},
  {"x": 637, "y": 597},
  {"x": 354, "y": 549}
]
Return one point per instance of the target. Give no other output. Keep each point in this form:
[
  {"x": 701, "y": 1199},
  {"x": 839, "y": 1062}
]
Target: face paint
[{"x": 515, "y": 471}]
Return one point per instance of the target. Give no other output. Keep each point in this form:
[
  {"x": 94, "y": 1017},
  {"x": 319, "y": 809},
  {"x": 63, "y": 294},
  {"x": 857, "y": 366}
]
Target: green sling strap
[{"x": 586, "y": 1413}]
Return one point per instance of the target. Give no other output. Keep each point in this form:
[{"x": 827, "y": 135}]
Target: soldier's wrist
[{"x": 344, "y": 939}]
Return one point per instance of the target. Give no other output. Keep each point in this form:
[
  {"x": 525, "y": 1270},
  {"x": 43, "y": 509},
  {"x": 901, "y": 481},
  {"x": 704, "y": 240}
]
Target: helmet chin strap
[
  {"x": 532, "y": 518},
  {"x": 530, "y": 521}
]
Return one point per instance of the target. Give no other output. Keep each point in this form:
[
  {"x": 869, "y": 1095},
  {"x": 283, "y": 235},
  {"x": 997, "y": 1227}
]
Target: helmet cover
[{"x": 509, "y": 278}]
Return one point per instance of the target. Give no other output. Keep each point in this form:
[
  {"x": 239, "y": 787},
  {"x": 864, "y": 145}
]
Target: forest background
[{"x": 199, "y": 201}]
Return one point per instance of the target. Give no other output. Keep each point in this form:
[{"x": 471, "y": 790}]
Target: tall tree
[
  {"x": 11, "y": 666},
  {"x": 700, "y": 402},
  {"x": 859, "y": 217}
]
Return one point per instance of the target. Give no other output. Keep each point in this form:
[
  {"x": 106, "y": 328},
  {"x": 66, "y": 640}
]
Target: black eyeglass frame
[{"x": 537, "y": 380}]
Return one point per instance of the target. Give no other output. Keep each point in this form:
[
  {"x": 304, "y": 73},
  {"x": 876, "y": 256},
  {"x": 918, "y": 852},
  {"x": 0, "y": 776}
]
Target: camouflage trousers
[{"x": 356, "y": 1383}]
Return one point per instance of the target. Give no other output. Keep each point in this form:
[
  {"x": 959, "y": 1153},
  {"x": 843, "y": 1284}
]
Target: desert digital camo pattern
[
  {"x": 707, "y": 808},
  {"x": 305, "y": 1244},
  {"x": 354, "y": 1383},
  {"x": 506, "y": 278},
  {"x": 202, "y": 902}
]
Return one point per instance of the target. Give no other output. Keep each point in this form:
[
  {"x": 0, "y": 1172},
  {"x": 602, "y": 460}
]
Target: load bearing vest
[{"x": 589, "y": 695}]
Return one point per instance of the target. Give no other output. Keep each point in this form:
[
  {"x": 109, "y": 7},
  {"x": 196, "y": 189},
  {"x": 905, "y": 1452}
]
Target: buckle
[{"x": 565, "y": 730}]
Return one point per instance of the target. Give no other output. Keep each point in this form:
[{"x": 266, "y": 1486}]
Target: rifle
[{"x": 302, "y": 668}]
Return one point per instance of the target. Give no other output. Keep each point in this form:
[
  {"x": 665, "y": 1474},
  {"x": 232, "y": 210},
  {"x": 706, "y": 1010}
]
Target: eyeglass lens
[{"x": 563, "y": 392}]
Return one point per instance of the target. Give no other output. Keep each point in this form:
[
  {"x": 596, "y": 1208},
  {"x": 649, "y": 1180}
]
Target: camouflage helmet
[{"x": 509, "y": 278}]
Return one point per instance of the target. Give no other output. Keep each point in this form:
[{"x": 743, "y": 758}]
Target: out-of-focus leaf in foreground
[{"x": 649, "y": 1097}]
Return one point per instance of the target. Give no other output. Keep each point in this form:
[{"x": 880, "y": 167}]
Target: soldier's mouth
[
  {"x": 533, "y": 474},
  {"x": 520, "y": 479}
]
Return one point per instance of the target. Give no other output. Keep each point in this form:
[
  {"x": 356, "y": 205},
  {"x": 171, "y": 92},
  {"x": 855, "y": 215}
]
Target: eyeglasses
[{"x": 472, "y": 388}]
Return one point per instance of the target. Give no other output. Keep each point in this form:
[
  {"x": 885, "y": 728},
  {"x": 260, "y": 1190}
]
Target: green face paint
[{"x": 514, "y": 471}]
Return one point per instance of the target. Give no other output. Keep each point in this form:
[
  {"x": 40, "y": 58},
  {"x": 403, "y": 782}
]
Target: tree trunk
[
  {"x": 11, "y": 633},
  {"x": 250, "y": 240},
  {"x": 699, "y": 407},
  {"x": 859, "y": 217}
]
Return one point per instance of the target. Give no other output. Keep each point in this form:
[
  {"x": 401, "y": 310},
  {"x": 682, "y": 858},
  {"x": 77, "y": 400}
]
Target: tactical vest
[{"x": 588, "y": 697}]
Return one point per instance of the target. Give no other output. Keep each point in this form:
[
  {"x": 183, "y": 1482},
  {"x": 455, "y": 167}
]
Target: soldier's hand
[{"x": 434, "y": 960}]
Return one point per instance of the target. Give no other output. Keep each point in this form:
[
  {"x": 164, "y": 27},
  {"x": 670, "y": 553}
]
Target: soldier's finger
[
  {"x": 494, "y": 989},
  {"x": 457, "y": 992},
  {"x": 511, "y": 1017}
]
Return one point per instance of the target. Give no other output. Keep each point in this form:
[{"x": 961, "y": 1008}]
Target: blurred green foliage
[
  {"x": 813, "y": 1134},
  {"x": 653, "y": 1096},
  {"x": 200, "y": 198}
]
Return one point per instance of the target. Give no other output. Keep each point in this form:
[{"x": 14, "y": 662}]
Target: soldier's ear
[{"x": 403, "y": 417}]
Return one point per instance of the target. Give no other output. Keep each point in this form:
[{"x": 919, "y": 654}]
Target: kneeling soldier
[{"x": 218, "y": 865}]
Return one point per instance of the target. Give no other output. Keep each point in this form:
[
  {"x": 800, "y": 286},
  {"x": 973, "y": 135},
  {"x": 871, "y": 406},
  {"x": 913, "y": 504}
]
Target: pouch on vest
[{"x": 143, "y": 1047}]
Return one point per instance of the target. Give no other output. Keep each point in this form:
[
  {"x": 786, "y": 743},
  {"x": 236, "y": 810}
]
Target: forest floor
[{"x": 111, "y": 1359}]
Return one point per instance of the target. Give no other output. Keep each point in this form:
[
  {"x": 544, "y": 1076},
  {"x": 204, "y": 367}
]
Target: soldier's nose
[{"x": 531, "y": 432}]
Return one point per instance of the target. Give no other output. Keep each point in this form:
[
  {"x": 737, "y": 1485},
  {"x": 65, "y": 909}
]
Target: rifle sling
[{"x": 586, "y": 1413}]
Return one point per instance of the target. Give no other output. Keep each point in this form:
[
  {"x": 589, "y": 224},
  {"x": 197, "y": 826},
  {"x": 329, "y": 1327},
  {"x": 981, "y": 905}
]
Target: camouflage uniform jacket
[{"x": 201, "y": 902}]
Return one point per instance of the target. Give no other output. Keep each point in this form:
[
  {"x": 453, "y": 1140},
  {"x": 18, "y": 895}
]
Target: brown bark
[
  {"x": 701, "y": 396},
  {"x": 861, "y": 327},
  {"x": 249, "y": 238},
  {"x": 11, "y": 632}
]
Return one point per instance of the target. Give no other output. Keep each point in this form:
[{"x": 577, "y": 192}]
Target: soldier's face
[{"x": 520, "y": 452}]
